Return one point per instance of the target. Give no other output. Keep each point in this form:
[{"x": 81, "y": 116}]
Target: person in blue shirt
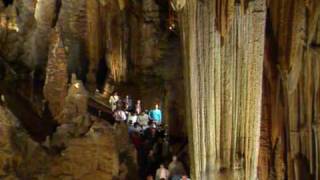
[{"x": 156, "y": 115}]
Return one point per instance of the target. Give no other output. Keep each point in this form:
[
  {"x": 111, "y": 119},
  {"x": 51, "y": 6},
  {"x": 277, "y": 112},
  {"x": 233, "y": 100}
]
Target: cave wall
[{"x": 292, "y": 81}]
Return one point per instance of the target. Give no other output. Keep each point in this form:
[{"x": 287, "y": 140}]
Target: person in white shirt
[
  {"x": 113, "y": 101},
  {"x": 119, "y": 115},
  {"x": 143, "y": 120},
  {"x": 162, "y": 173},
  {"x": 138, "y": 108}
]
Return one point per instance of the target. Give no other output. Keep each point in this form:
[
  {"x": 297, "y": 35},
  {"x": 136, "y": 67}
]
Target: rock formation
[
  {"x": 243, "y": 75},
  {"x": 55, "y": 88},
  {"x": 288, "y": 143},
  {"x": 291, "y": 86},
  {"x": 82, "y": 147},
  {"x": 21, "y": 157},
  {"x": 223, "y": 78}
]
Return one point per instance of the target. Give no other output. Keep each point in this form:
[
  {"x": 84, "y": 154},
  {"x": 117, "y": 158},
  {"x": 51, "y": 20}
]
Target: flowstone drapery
[{"x": 224, "y": 86}]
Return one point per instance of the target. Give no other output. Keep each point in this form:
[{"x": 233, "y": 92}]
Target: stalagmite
[
  {"x": 224, "y": 86},
  {"x": 56, "y": 84}
]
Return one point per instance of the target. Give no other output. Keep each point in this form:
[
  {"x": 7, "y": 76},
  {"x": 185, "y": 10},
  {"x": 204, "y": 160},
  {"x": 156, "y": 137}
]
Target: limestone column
[{"x": 223, "y": 54}]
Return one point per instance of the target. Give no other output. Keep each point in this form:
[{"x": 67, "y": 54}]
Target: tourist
[
  {"x": 156, "y": 115},
  {"x": 132, "y": 117},
  {"x": 151, "y": 133},
  {"x": 176, "y": 169},
  {"x": 113, "y": 101},
  {"x": 151, "y": 164},
  {"x": 136, "y": 140},
  {"x": 119, "y": 115},
  {"x": 128, "y": 103},
  {"x": 130, "y": 128},
  {"x": 162, "y": 173},
  {"x": 137, "y": 127},
  {"x": 166, "y": 148},
  {"x": 138, "y": 108},
  {"x": 143, "y": 119},
  {"x": 185, "y": 177}
]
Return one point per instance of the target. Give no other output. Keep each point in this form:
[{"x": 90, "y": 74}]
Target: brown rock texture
[
  {"x": 20, "y": 156},
  {"x": 93, "y": 156},
  {"x": 56, "y": 84},
  {"x": 83, "y": 147},
  {"x": 292, "y": 71}
]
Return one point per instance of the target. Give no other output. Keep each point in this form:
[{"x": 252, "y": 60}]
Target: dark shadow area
[
  {"x": 7, "y": 2},
  {"x": 101, "y": 75},
  {"x": 77, "y": 61},
  {"x": 38, "y": 127}
]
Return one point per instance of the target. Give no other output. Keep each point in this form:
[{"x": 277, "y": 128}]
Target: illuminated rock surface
[{"x": 239, "y": 79}]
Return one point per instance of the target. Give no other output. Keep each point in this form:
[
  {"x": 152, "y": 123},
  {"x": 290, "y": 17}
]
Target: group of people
[
  {"x": 124, "y": 110},
  {"x": 150, "y": 138}
]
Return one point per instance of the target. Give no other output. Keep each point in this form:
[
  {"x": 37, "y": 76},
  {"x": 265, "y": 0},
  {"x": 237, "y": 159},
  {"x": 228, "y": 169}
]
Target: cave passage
[{"x": 222, "y": 89}]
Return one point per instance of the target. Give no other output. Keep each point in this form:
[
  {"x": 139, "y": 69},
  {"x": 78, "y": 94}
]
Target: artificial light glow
[
  {"x": 77, "y": 85},
  {"x": 5, "y": 24}
]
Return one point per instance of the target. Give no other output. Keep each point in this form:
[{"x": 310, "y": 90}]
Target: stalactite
[
  {"x": 93, "y": 40},
  {"x": 44, "y": 16},
  {"x": 115, "y": 42},
  {"x": 224, "y": 87},
  {"x": 115, "y": 46},
  {"x": 73, "y": 26}
]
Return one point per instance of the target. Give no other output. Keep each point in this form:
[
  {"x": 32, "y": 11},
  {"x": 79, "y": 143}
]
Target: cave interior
[{"x": 237, "y": 82}]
